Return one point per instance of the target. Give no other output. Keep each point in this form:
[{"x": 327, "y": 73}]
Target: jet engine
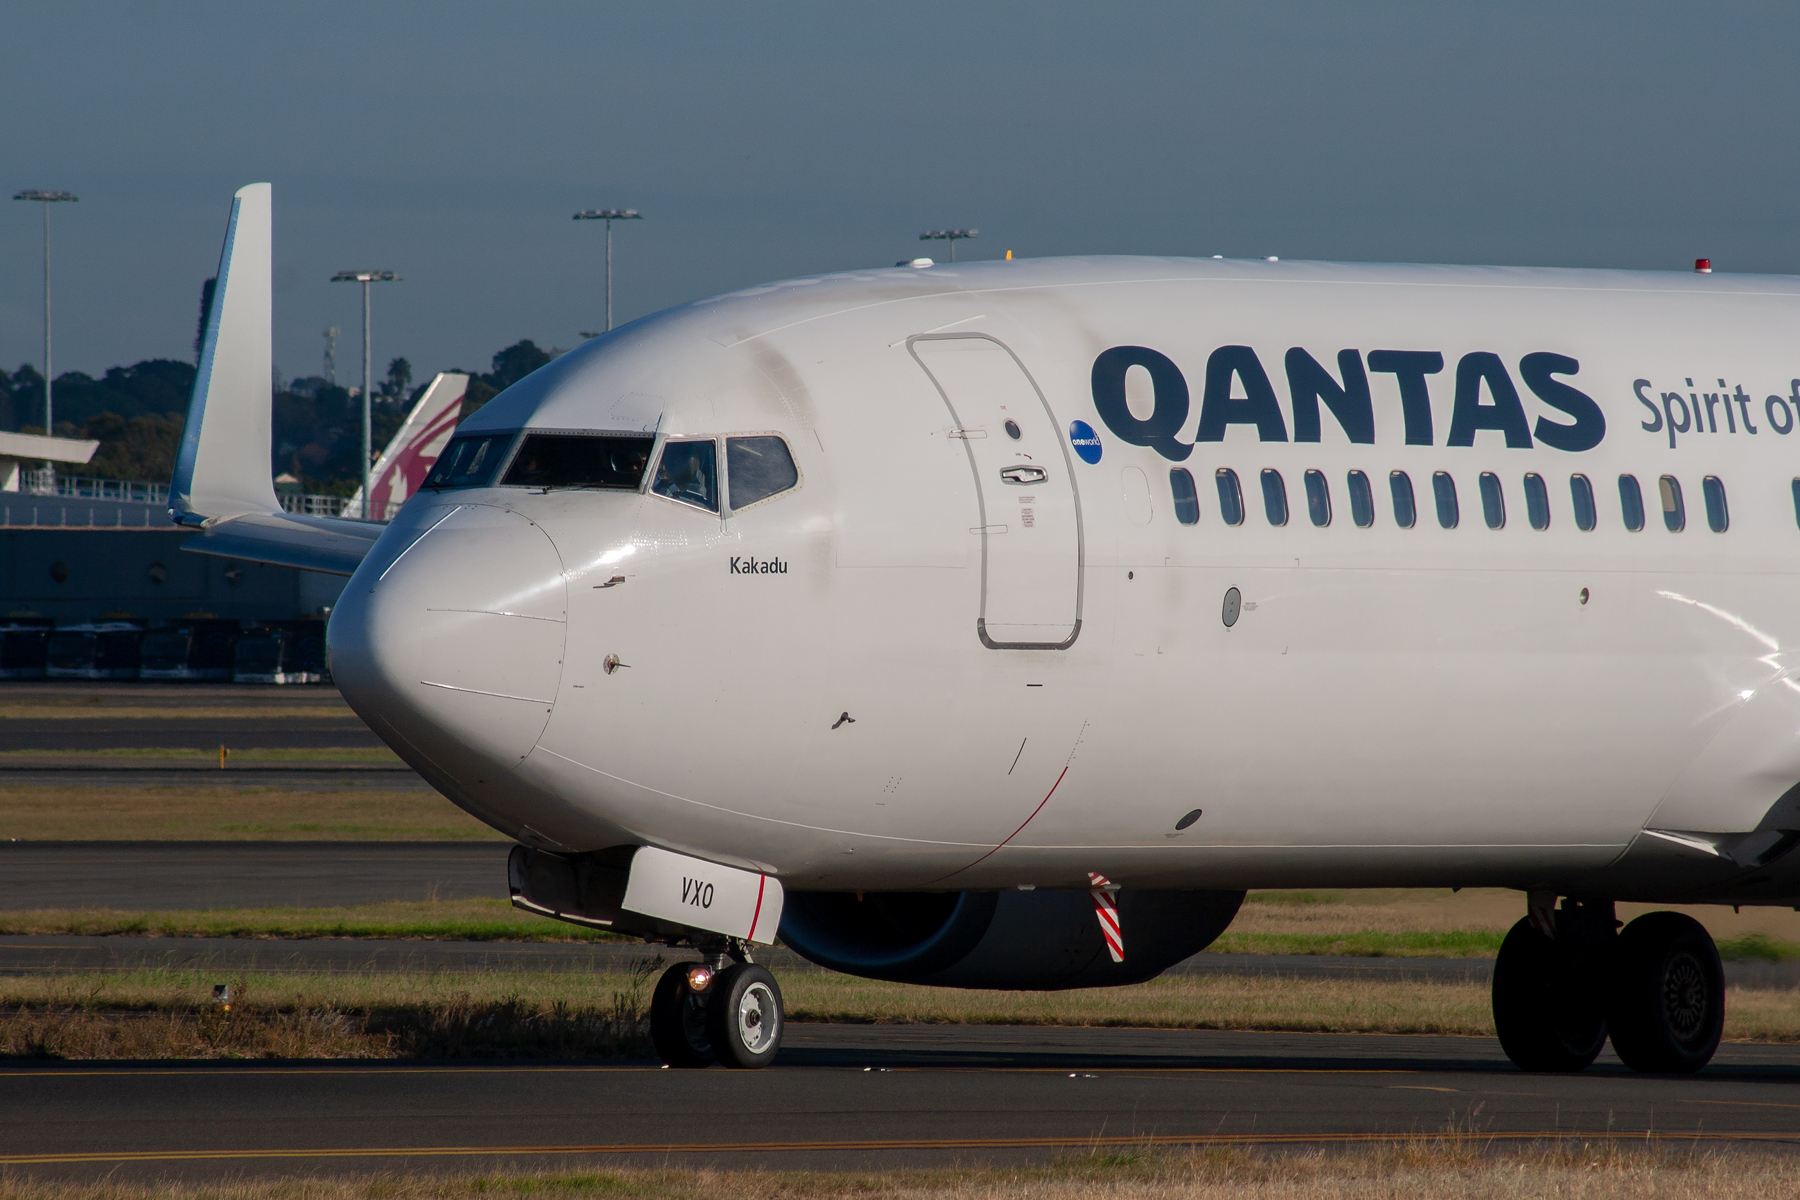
[{"x": 1026, "y": 941}]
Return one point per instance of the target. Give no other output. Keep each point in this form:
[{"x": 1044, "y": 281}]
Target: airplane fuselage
[{"x": 1004, "y": 630}]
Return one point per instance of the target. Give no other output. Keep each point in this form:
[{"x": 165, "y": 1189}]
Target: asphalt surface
[
  {"x": 288, "y": 777},
  {"x": 73, "y": 722},
  {"x": 860, "y": 1097},
  {"x": 73, "y": 735},
  {"x": 190, "y": 875}
]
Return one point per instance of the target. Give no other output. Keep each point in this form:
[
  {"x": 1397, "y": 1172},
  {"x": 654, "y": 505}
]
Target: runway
[
  {"x": 192, "y": 875},
  {"x": 87, "y": 733},
  {"x": 862, "y": 1096}
]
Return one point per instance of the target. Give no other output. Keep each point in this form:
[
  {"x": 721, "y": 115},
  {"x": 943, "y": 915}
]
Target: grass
[
  {"x": 1367, "y": 943},
  {"x": 165, "y": 1013},
  {"x": 176, "y": 1015},
  {"x": 223, "y": 812},
  {"x": 497, "y": 920},
  {"x": 379, "y": 754},
  {"x": 1758, "y": 947},
  {"x": 471, "y": 920},
  {"x": 1453, "y": 1165}
]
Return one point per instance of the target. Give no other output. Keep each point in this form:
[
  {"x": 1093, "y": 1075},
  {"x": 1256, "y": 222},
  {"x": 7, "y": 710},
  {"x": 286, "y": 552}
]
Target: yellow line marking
[
  {"x": 884, "y": 1144},
  {"x": 352, "y": 1070},
  {"x": 1419, "y": 1087}
]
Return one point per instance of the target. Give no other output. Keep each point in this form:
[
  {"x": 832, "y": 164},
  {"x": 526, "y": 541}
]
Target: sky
[{"x": 452, "y": 142}]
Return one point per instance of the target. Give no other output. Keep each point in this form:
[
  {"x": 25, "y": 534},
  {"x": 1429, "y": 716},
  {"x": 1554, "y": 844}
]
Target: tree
[
  {"x": 399, "y": 380},
  {"x": 515, "y": 363},
  {"x": 206, "y": 303}
]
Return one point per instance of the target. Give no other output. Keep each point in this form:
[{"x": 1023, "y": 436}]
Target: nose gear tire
[
  {"x": 1550, "y": 1015},
  {"x": 678, "y": 1020},
  {"x": 745, "y": 1017},
  {"x": 1667, "y": 1003}
]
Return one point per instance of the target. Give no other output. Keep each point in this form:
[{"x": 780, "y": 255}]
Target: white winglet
[
  {"x": 222, "y": 480},
  {"x": 223, "y": 468}
]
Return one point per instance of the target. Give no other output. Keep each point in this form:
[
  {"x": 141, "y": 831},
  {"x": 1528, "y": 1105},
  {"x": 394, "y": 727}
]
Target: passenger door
[{"x": 1029, "y": 519}]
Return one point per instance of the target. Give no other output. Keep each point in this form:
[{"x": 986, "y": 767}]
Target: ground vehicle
[
  {"x": 24, "y": 647},
  {"x": 192, "y": 649},
  {"x": 281, "y": 652},
  {"x": 99, "y": 650}
]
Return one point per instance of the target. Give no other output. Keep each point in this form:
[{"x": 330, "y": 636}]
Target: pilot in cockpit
[{"x": 686, "y": 474}]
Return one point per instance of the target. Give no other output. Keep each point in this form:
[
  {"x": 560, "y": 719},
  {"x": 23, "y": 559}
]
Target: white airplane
[{"x": 999, "y": 624}]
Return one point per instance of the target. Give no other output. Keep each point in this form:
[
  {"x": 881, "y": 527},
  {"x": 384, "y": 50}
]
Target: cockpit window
[
  {"x": 759, "y": 467},
  {"x": 469, "y": 461},
  {"x": 565, "y": 460},
  {"x": 689, "y": 472}
]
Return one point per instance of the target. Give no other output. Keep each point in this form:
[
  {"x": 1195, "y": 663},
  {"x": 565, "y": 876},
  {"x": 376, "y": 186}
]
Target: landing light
[{"x": 699, "y": 979}]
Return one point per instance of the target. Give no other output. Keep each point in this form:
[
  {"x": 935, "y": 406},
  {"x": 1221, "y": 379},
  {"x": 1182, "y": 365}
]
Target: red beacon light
[{"x": 1703, "y": 266}]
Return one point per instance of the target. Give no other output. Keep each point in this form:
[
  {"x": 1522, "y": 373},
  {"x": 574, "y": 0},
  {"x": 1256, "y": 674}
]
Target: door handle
[{"x": 1024, "y": 474}]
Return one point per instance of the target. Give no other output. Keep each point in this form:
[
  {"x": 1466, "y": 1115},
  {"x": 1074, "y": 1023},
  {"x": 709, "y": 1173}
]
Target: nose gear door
[{"x": 1030, "y": 516}]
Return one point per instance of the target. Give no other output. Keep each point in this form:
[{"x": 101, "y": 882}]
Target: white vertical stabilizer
[
  {"x": 222, "y": 480},
  {"x": 223, "y": 467}
]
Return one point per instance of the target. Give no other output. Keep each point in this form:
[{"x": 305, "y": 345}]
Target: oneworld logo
[{"x": 1085, "y": 441}]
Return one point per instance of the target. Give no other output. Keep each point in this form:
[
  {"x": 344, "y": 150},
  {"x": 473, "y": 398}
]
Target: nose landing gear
[
  {"x": 1657, "y": 988},
  {"x": 717, "y": 1011}
]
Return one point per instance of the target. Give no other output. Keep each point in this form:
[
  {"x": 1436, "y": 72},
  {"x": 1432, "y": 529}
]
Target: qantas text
[{"x": 1487, "y": 398}]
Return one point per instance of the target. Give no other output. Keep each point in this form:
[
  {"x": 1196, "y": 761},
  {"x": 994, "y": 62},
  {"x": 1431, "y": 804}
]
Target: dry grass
[
  {"x": 1470, "y": 923},
  {"x": 220, "y": 813},
  {"x": 158, "y": 1013},
  {"x": 1452, "y": 1166},
  {"x": 173, "y": 1015}
]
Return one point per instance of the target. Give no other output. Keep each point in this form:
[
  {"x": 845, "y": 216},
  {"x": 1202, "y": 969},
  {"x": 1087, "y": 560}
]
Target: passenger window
[
  {"x": 1362, "y": 500},
  {"x": 468, "y": 461},
  {"x": 1668, "y": 489},
  {"x": 1187, "y": 498},
  {"x": 1274, "y": 496},
  {"x": 1318, "y": 498},
  {"x": 1537, "y": 501},
  {"x": 1406, "y": 514},
  {"x": 689, "y": 472},
  {"x": 557, "y": 460},
  {"x": 1444, "y": 489},
  {"x": 757, "y": 468},
  {"x": 1493, "y": 501},
  {"x": 1231, "y": 496},
  {"x": 1581, "y": 493},
  {"x": 1717, "y": 517},
  {"x": 1631, "y": 502}
]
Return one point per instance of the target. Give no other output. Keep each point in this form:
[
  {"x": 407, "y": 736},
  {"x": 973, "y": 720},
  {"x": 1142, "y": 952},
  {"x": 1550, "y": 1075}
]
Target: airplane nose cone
[{"x": 452, "y": 642}]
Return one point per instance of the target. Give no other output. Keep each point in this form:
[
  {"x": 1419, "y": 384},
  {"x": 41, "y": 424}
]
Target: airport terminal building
[{"x": 74, "y": 558}]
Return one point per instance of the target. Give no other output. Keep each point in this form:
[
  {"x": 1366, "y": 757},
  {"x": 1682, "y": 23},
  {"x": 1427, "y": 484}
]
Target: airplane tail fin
[
  {"x": 223, "y": 466},
  {"x": 222, "y": 482},
  {"x": 413, "y": 448}
]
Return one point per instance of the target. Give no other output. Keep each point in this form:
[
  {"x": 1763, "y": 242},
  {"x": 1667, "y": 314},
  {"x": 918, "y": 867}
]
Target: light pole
[
  {"x": 948, "y": 235},
  {"x": 609, "y": 215},
  {"x": 47, "y": 199},
  {"x": 365, "y": 278}
]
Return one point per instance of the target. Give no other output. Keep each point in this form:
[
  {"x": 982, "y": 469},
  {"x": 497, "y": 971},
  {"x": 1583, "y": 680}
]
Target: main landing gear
[
  {"x": 717, "y": 1011},
  {"x": 1565, "y": 980}
]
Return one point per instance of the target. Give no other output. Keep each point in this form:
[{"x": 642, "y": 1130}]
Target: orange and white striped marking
[{"x": 1106, "y": 910}]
